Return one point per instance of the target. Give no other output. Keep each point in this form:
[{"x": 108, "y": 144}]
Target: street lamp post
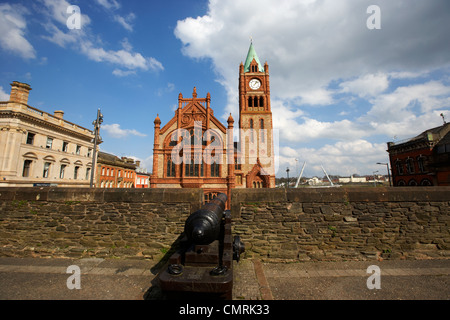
[
  {"x": 374, "y": 179},
  {"x": 388, "y": 171},
  {"x": 287, "y": 171},
  {"x": 96, "y": 124}
]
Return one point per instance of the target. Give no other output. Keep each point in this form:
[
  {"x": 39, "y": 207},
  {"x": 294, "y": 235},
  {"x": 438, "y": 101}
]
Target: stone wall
[
  {"x": 343, "y": 223},
  {"x": 130, "y": 223},
  {"x": 275, "y": 224}
]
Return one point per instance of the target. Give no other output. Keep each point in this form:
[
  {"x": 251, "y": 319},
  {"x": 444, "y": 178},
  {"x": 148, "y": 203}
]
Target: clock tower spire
[{"x": 255, "y": 122}]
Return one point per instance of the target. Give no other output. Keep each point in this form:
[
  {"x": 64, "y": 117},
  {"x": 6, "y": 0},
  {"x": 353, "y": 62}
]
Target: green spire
[{"x": 250, "y": 56}]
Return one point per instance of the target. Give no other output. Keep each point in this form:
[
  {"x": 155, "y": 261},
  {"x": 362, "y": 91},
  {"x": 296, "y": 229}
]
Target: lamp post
[
  {"x": 96, "y": 124},
  {"x": 287, "y": 171},
  {"x": 374, "y": 179},
  {"x": 388, "y": 171}
]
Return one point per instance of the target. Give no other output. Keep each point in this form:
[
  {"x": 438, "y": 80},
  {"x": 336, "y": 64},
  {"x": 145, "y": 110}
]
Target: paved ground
[{"x": 46, "y": 279}]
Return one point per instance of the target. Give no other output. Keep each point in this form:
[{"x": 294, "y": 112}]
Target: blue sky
[{"x": 339, "y": 90}]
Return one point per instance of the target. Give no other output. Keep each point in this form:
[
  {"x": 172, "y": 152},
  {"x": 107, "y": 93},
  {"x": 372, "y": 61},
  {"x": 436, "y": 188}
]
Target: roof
[
  {"x": 431, "y": 136},
  {"x": 250, "y": 56},
  {"x": 110, "y": 159}
]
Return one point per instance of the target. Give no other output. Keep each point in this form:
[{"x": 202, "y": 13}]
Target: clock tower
[{"x": 255, "y": 123}]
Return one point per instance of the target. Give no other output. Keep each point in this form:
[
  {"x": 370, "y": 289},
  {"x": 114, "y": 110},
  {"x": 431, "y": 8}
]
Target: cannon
[{"x": 204, "y": 260}]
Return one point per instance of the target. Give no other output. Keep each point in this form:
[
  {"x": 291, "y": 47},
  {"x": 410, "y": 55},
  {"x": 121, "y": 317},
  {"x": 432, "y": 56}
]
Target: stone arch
[{"x": 257, "y": 174}]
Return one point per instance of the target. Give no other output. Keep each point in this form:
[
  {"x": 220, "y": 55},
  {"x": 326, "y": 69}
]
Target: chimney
[
  {"x": 19, "y": 92},
  {"x": 138, "y": 163},
  {"x": 59, "y": 114}
]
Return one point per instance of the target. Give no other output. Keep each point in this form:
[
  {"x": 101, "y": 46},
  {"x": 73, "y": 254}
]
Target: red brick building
[
  {"x": 142, "y": 177},
  {"x": 115, "y": 172},
  {"x": 423, "y": 160},
  {"x": 195, "y": 150}
]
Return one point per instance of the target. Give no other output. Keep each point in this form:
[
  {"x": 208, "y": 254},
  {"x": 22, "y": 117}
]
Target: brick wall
[
  {"x": 343, "y": 223},
  {"x": 275, "y": 224},
  {"x": 130, "y": 223}
]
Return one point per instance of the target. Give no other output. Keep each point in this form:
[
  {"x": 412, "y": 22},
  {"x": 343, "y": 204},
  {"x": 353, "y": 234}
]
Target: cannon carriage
[{"x": 204, "y": 261}]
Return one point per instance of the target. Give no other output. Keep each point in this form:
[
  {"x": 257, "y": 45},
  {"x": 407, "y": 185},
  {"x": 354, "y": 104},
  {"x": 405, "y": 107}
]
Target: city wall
[{"x": 276, "y": 224}]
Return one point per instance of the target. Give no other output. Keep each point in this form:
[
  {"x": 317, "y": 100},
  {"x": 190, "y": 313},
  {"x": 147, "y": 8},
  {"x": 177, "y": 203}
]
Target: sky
[{"x": 346, "y": 76}]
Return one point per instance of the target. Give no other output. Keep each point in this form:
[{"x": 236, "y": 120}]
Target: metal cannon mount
[{"x": 204, "y": 261}]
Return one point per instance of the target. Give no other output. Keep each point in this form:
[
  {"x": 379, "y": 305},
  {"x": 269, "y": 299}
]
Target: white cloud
[
  {"x": 124, "y": 58},
  {"x": 117, "y": 132},
  {"x": 318, "y": 96},
  {"x": 122, "y": 73},
  {"x": 87, "y": 43},
  {"x": 109, "y": 4},
  {"x": 321, "y": 53},
  {"x": 58, "y": 11},
  {"x": 409, "y": 101},
  {"x": 366, "y": 86},
  {"x": 3, "y": 95},
  {"x": 309, "y": 44},
  {"x": 126, "y": 21},
  {"x": 13, "y": 27},
  {"x": 341, "y": 158},
  {"x": 169, "y": 88},
  {"x": 146, "y": 163}
]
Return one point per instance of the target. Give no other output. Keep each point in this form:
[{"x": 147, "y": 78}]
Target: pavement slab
[{"x": 254, "y": 280}]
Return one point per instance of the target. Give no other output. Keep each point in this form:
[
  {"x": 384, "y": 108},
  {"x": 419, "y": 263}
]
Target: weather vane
[{"x": 443, "y": 117}]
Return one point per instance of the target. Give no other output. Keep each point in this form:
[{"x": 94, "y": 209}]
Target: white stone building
[{"x": 41, "y": 149}]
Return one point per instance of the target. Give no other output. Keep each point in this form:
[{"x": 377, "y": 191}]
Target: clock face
[{"x": 254, "y": 84}]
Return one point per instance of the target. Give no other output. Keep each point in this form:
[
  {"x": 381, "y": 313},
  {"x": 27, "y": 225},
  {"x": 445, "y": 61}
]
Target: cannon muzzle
[{"x": 204, "y": 225}]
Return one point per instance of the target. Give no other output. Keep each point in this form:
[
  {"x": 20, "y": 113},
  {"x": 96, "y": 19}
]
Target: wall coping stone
[
  {"x": 337, "y": 195},
  {"x": 192, "y": 196}
]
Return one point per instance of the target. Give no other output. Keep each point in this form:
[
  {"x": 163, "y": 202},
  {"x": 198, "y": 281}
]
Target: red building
[
  {"x": 142, "y": 177},
  {"x": 115, "y": 172},
  {"x": 423, "y": 160},
  {"x": 195, "y": 150}
]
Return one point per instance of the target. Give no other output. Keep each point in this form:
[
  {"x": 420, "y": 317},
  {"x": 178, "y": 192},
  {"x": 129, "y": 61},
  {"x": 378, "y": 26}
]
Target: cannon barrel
[{"x": 204, "y": 225}]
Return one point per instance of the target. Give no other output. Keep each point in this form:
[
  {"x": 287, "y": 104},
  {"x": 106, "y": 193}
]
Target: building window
[
  {"x": 46, "y": 172},
  {"x": 78, "y": 151},
  {"x": 88, "y": 173},
  {"x": 75, "y": 173},
  {"x": 421, "y": 163},
  {"x": 49, "y": 143},
  {"x": 401, "y": 183},
  {"x": 237, "y": 166},
  {"x": 26, "y": 168},
  {"x": 443, "y": 148},
  {"x": 62, "y": 171},
  {"x": 65, "y": 147},
  {"x": 89, "y": 153},
  {"x": 412, "y": 183},
  {"x": 426, "y": 182},
  {"x": 170, "y": 168},
  {"x": 261, "y": 124},
  {"x": 189, "y": 168},
  {"x": 30, "y": 138},
  {"x": 399, "y": 167},
  {"x": 215, "y": 170},
  {"x": 409, "y": 165}
]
